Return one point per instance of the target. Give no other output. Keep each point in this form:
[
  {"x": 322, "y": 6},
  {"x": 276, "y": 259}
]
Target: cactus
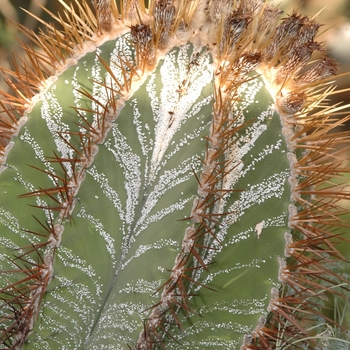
[{"x": 171, "y": 178}]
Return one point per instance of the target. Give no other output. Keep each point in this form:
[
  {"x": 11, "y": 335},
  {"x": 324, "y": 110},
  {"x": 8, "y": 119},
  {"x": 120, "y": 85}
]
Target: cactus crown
[{"x": 211, "y": 60}]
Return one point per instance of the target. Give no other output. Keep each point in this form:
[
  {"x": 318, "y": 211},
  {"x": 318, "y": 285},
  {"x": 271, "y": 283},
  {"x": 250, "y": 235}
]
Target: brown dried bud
[
  {"x": 104, "y": 14},
  {"x": 291, "y": 104},
  {"x": 142, "y": 38},
  {"x": 141, "y": 34},
  {"x": 285, "y": 36},
  {"x": 320, "y": 70},
  {"x": 297, "y": 60},
  {"x": 233, "y": 28},
  {"x": 269, "y": 17},
  {"x": 307, "y": 31},
  {"x": 164, "y": 13}
]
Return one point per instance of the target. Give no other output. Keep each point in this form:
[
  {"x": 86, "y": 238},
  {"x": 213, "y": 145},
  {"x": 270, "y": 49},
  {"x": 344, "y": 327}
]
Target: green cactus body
[{"x": 155, "y": 187}]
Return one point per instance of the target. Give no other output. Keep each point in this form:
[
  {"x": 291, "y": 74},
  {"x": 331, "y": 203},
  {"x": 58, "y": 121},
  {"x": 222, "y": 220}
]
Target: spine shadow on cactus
[{"x": 170, "y": 178}]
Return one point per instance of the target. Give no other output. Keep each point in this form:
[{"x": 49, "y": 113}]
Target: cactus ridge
[{"x": 241, "y": 46}]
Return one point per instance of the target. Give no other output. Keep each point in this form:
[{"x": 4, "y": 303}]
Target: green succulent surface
[{"x": 134, "y": 201}]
